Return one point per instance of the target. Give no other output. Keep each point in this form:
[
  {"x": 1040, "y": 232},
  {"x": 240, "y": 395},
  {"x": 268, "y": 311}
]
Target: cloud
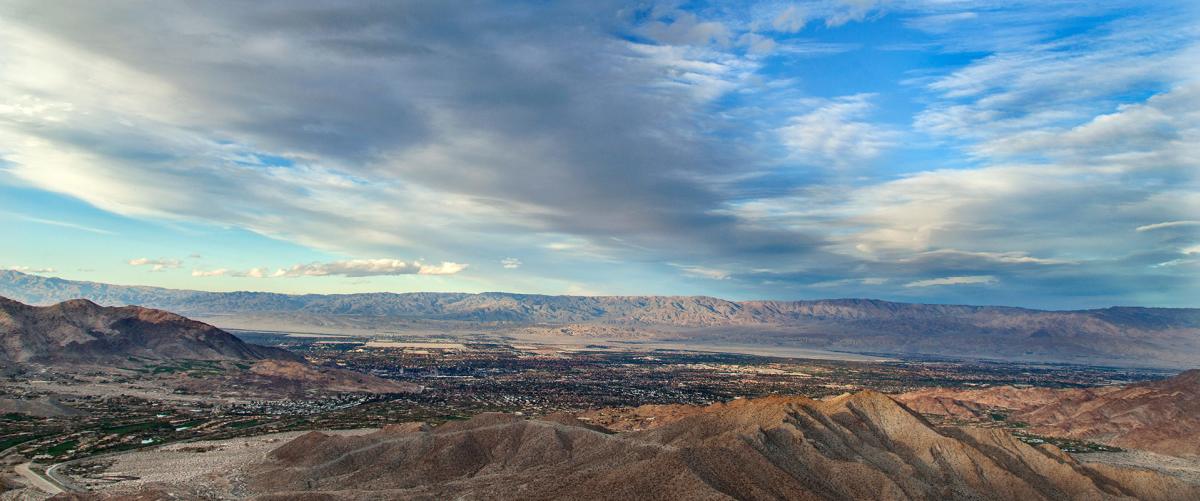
[
  {"x": 402, "y": 129},
  {"x": 511, "y": 263},
  {"x": 156, "y": 264},
  {"x": 967, "y": 280},
  {"x": 220, "y": 272},
  {"x": 789, "y": 20},
  {"x": 1009, "y": 257},
  {"x": 832, "y": 133},
  {"x": 703, "y": 272},
  {"x": 254, "y": 273},
  {"x": 1166, "y": 225},
  {"x": 369, "y": 268},
  {"x": 27, "y": 269},
  {"x": 687, "y": 135},
  {"x": 846, "y": 11},
  {"x": 61, "y": 224}
]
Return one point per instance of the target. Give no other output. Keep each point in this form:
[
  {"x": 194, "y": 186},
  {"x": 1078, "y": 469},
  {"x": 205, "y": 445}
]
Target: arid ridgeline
[
  {"x": 862, "y": 446},
  {"x": 1159, "y": 416}
]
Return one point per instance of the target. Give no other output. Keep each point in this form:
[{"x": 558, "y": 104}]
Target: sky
[{"x": 1038, "y": 154}]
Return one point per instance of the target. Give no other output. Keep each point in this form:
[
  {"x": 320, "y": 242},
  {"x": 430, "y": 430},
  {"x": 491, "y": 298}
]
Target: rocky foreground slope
[
  {"x": 1159, "y": 416},
  {"x": 1158, "y": 337},
  {"x": 862, "y": 446}
]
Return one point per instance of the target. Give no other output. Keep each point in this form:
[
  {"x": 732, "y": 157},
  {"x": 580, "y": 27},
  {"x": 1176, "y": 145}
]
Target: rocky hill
[
  {"x": 1160, "y": 337},
  {"x": 1159, "y": 416},
  {"x": 863, "y": 446},
  {"x": 79, "y": 334},
  {"x": 82, "y": 332}
]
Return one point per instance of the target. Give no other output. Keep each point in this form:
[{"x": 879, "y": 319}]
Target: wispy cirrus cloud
[
  {"x": 61, "y": 224},
  {"x": 1167, "y": 225}
]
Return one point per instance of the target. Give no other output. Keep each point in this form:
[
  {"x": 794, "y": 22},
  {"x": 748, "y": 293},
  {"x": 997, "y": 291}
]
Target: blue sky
[{"x": 1035, "y": 154}]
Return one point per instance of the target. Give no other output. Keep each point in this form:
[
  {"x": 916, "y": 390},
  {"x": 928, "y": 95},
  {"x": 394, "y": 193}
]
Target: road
[
  {"x": 36, "y": 480},
  {"x": 64, "y": 482}
]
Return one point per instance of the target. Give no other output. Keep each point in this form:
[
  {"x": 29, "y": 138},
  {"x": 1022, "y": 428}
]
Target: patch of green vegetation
[
  {"x": 243, "y": 424},
  {"x": 17, "y": 416},
  {"x": 7, "y": 442},
  {"x": 135, "y": 427},
  {"x": 191, "y": 424},
  {"x": 193, "y": 368},
  {"x": 1067, "y": 444},
  {"x": 998, "y": 416},
  {"x": 62, "y": 448}
]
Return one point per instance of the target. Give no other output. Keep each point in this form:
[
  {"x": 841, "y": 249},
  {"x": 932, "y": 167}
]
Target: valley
[{"x": 86, "y": 413}]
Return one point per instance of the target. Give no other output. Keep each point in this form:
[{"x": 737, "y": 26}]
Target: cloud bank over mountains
[{"x": 745, "y": 150}]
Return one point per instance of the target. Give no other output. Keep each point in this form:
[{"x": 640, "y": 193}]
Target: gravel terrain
[{"x": 199, "y": 467}]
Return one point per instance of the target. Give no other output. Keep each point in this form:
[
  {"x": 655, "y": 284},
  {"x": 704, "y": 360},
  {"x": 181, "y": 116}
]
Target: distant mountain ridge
[
  {"x": 1162, "y": 337},
  {"x": 536, "y": 308}
]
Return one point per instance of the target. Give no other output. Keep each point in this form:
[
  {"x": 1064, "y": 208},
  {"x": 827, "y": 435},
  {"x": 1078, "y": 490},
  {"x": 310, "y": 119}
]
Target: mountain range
[{"x": 1126, "y": 336}]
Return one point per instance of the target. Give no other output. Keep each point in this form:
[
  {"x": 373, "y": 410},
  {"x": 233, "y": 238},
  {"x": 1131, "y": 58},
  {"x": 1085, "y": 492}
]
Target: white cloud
[
  {"x": 255, "y": 273},
  {"x": 27, "y": 269},
  {"x": 369, "y": 267},
  {"x": 510, "y": 263},
  {"x": 850, "y": 281},
  {"x": 703, "y": 272},
  {"x": 845, "y": 11},
  {"x": 1167, "y": 224},
  {"x": 220, "y": 272},
  {"x": 834, "y": 133},
  {"x": 790, "y": 20},
  {"x": 156, "y": 264},
  {"x": 964, "y": 280},
  {"x": 1009, "y": 257}
]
